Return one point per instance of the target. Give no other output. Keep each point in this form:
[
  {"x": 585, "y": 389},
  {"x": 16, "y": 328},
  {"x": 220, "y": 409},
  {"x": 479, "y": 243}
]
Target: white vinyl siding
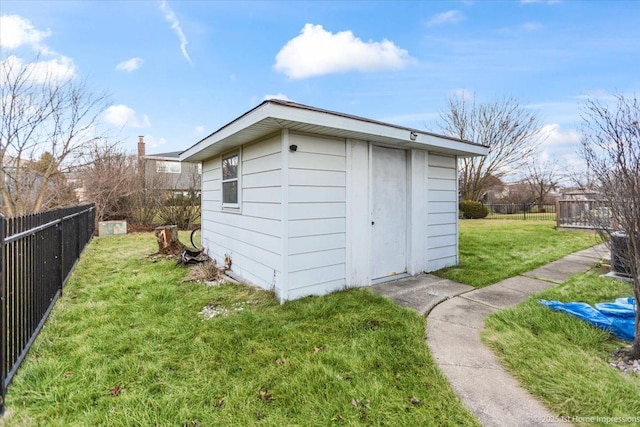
[
  {"x": 442, "y": 208},
  {"x": 313, "y": 255},
  {"x": 252, "y": 239},
  {"x": 317, "y": 215}
]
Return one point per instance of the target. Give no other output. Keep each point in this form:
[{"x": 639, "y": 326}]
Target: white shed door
[{"x": 389, "y": 212}]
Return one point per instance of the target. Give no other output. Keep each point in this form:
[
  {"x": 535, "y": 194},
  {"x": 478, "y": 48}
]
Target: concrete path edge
[{"x": 455, "y": 318}]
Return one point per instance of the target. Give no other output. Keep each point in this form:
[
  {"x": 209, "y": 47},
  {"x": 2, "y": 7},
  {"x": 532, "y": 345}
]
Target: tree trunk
[
  {"x": 168, "y": 242},
  {"x": 634, "y": 353}
]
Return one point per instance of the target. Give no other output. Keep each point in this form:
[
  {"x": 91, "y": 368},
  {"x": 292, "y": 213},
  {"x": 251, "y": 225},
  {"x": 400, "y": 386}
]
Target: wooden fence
[
  {"x": 584, "y": 214},
  {"x": 37, "y": 254}
]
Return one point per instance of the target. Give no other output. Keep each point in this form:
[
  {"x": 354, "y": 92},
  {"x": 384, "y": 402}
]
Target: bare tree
[
  {"x": 148, "y": 198},
  {"x": 611, "y": 147},
  {"x": 108, "y": 179},
  {"x": 183, "y": 210},
  {"x": 58, "y": 189},
  {"x": 542, "y": 178},
  {"x": 518, "y": 193},
  {"x": 510, "y": 131},
  {"x": 40, "y": 113}
]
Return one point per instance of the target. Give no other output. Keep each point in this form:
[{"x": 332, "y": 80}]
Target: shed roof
[{"x": 273, "y": 115}]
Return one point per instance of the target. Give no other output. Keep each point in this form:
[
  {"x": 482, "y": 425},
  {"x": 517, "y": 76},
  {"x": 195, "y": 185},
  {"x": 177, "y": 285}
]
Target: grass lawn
[
  {"x": 494, "y": 250},
  {"x": 562, "y": 360},
  {"x": 125, "y": 346}
]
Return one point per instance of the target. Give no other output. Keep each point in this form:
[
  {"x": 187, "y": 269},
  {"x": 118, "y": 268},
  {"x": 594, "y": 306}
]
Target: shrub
[
  {"x": 183, "y": 216},
  {"x": 473, "y": 210}
]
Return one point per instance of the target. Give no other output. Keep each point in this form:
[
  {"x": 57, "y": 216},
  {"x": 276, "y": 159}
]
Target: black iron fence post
[
  {"x": 3, "y": 315},
  {"x": 35, "y": 261},
  {"x": 60, "y": 242}
]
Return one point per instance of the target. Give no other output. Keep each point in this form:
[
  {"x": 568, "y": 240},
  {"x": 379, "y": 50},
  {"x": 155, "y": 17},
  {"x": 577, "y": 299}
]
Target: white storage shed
[{"x": 307, "y": 201}]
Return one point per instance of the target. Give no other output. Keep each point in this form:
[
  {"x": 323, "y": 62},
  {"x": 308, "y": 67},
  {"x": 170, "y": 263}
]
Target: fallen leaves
[
  {"x": 265, "y": 396},
  {"x": 361, "y": 403},
  {"x": 337, "y": 417},
  {"x": 115, "y": 391}
]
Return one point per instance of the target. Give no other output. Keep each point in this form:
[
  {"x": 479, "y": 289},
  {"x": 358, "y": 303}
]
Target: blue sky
[{"x": 179, "y": 70}]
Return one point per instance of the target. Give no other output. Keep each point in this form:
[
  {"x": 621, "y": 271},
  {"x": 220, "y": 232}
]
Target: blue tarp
[{"x": 617, "y": 317}]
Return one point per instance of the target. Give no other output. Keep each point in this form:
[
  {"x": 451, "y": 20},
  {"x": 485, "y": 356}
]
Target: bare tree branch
[
  {"x": 611, "y": 147},
  {"x": 508, "y": 129},
  {"x": 40, "y": 115},
  {"x": 542, "y": 178}
]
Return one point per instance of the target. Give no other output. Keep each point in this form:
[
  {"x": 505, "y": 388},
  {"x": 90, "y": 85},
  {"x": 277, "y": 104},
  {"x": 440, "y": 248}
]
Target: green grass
[
  {"x": 562, "y": 360},
  {"x": 125, "y": 346},
  {"x": 494, "y": 250}
]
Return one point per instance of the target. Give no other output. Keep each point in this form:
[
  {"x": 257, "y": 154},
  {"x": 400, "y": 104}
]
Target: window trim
[{"x": 232, "y": 207}]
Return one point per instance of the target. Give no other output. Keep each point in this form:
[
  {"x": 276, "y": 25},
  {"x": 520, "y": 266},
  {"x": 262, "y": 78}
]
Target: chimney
[{"x": 141, "y": 151}]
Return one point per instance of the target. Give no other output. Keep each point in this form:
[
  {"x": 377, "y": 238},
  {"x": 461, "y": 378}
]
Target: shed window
[{"x": 230, "y": 182}]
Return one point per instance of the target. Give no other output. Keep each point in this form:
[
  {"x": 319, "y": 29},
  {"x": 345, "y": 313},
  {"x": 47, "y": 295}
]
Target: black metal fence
[
  {"x": 37, "y": 254},
  {"x": 539, "y": 212}
]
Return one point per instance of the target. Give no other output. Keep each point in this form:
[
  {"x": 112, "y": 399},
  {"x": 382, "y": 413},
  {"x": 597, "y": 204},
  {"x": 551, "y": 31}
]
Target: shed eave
[{"x": 272, "y": 116}]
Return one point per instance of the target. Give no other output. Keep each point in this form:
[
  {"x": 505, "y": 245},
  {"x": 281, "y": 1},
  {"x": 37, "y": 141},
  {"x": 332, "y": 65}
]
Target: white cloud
[
  {"x": 171, "y": 18},
  {"x": 448, "y": 17},
  {"x": 597, "y": 94},
  {"x": 54, "y": 70},
  {"x": 199, "y": 130},
  {"x": 280, "y": 96},
  {"x": 57, "y": 69},
  {"x": 553, "y": 135},
  {"x": 16, "y": 31},
  {"x": 316, "y": 51},
  {"x": 531, "y": 26},
  {"x": 561, "y": 146},
  {"x": 122, "y": 115},
  {"x": 463, "y": 93},
  {"x": 154, "y": 142},
  {"x": 129, "y": 65}
]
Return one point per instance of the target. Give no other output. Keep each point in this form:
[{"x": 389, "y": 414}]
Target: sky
[{"x": 177, "y": 71}]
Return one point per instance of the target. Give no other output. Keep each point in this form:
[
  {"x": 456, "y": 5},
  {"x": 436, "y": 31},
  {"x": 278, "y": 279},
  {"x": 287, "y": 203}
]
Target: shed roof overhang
[{"x": 274, "y": 115}]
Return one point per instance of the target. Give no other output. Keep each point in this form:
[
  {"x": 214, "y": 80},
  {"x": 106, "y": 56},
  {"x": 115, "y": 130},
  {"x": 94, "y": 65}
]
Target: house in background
[
  {"x": 307, "y": 201},
  {"x": 165, "y": 172}
]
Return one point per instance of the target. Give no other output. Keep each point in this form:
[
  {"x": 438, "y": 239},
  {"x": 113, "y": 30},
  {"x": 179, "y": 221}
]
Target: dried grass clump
[{"x": 204, "y": 272}]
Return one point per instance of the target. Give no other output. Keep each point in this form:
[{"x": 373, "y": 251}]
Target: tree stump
[{"x": 168, "y": 242}]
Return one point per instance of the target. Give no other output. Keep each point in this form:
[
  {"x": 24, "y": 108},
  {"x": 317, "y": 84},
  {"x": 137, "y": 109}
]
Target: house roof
[
  {"x": 273, "y": 115},
  {"x": 172, "y": 155}
]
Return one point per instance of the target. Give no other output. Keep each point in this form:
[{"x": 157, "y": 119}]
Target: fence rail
[
  {"x": 584, "y": 214},
  {"x": 37, "y": 254},
  {"x": 534, "y": 212}
]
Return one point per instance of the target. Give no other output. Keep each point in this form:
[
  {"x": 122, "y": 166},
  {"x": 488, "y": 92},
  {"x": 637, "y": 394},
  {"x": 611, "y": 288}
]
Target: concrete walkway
[{"x": 455, "y": 316}]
